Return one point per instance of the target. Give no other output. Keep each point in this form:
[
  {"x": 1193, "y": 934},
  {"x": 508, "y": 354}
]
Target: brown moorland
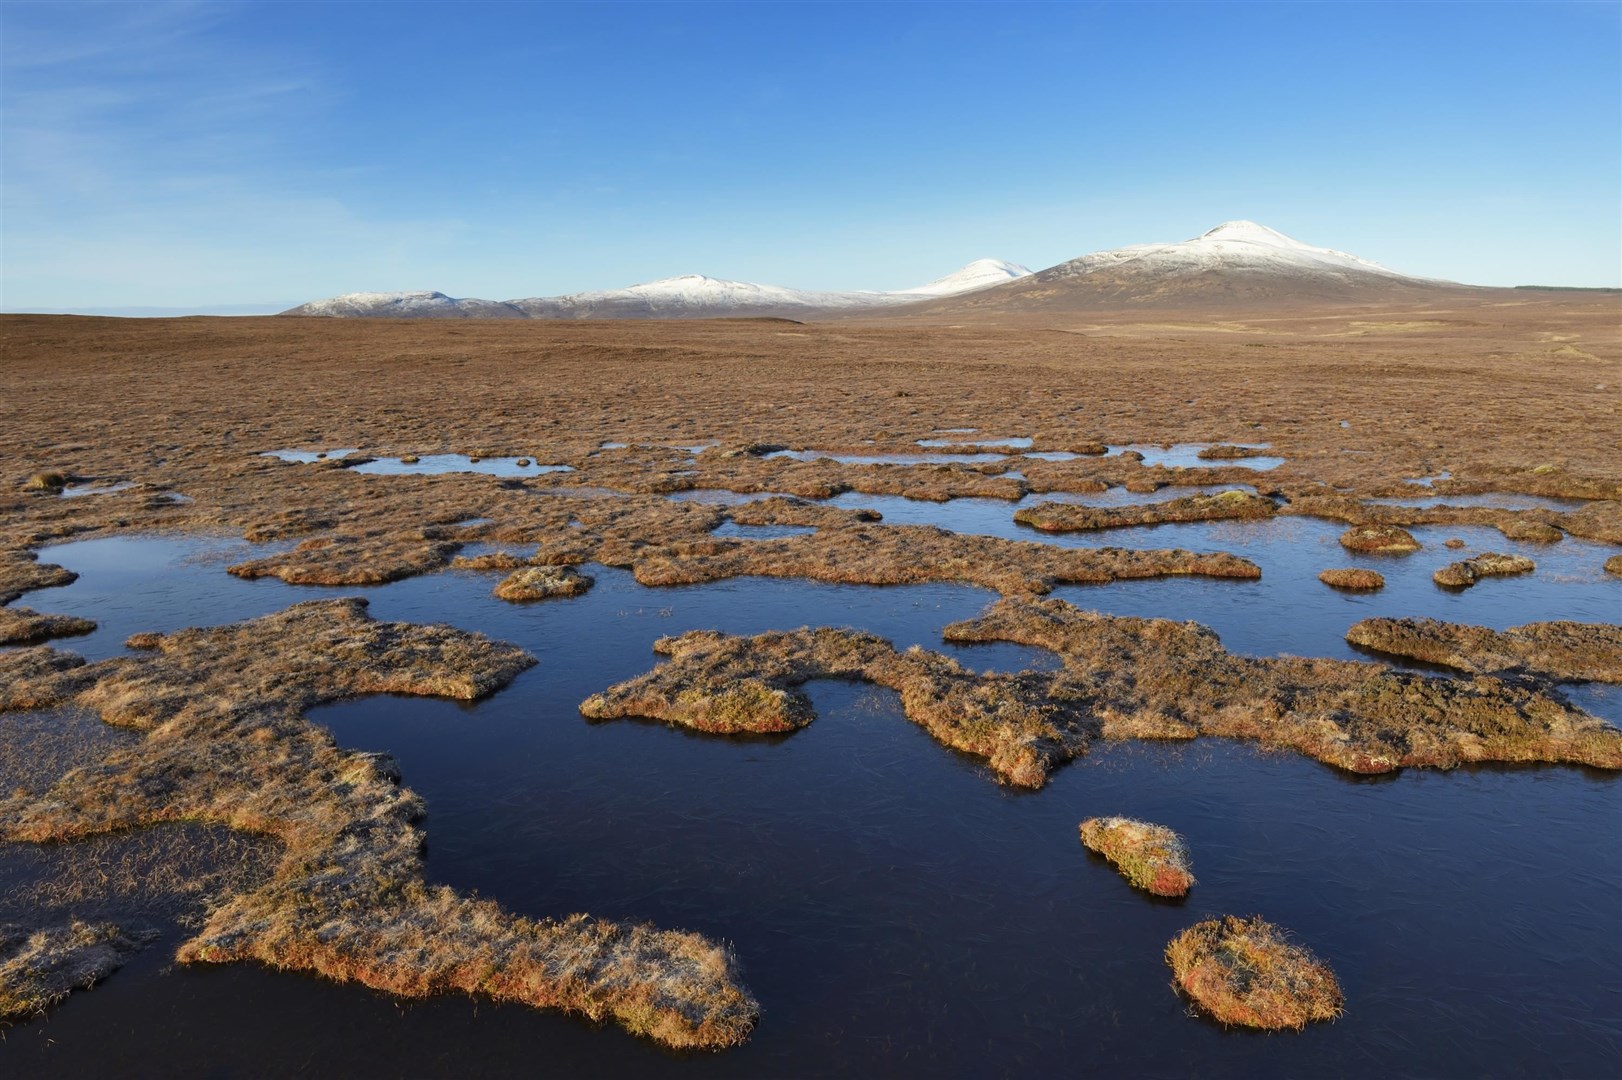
[{"x": 1359, "y": 400}]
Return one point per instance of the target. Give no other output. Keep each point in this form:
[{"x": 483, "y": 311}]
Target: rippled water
[{"x": 896, "y": 911}]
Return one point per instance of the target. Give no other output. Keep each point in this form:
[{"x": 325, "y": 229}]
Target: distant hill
[
  {"x": 691, "y": 296},
  {"x": 1238, "y": 263}
]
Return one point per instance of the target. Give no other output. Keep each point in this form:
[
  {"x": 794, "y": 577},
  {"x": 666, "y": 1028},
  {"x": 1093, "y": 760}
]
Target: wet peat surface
[{"x": 896, "y": 912}]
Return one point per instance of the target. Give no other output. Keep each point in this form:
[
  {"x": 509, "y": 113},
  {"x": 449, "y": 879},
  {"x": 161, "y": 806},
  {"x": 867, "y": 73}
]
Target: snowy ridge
[
  {"x": 687, "y": 296},
  {"x": 1242, "y": 246}
]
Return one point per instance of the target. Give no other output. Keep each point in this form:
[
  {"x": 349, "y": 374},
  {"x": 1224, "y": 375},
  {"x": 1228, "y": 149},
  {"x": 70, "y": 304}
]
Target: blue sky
[{"x": 205, "y": 156}]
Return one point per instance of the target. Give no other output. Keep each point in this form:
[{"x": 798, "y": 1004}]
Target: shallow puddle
[
  {"x": 968, "y": 458},
  {"x": 759, "y": 532},
  {"x": 1187, "y": 456},
  {"x": 434, "y": 464},
  {"x": 1500, "y": 500},
  {"x": 73, "y": 491},
  {"x": 896, "y": 911}
]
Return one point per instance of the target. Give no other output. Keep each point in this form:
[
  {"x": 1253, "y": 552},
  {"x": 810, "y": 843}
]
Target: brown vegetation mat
[
  {"x": 1152, "y": 857},
  {"x": 24, "y": 626},
  {"x": 1121, "y": 678},
  {"x": 226, "y": 742},
  {"x": 1225, "y": 506},
  {"x": 910, "y": 554},
  {"x": 542, "y": 582},
  {"x": 1352, "y": 578},
  {"x": 1466, "y": 572},
  {"x": 1245, "y": 972},
  {"x": 20, "y": 572},
  {"x": 1600, "y": 520},
  {"x": 1379, "y": 540},
  {"x": 40, "y": 967},
  {"x": 1588, "y": 652}
]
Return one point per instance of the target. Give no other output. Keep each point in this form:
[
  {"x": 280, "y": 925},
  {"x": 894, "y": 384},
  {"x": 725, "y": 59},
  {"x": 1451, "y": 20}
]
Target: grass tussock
[
  {"x": 20, "y": 572},
  {"x": 225, "y": 742},
  {"x": 1379, "y": 539},
  {"x": 1568, "y": 651},
  {"x": 543, "y": 582},
  {"x": 1352, "y": 578},
  {"x": 1466, "y": 572},
  {"x": 50, "y": 480},
  {"x": 1152, "y": 857},
  {"x": 1121, "y": 678},
  {"x": 1245, "y": 972},
  {"x": 41, "y": 967},
  {"x": 1223, "y": 506},
  {"x": 24, "y": 626}
]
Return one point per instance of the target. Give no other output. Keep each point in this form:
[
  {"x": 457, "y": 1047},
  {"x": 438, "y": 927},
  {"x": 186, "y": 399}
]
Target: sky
[{"x": 219, "y": 157}]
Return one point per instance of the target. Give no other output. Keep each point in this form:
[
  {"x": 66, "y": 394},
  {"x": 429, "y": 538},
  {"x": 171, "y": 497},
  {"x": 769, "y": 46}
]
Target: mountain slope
[
  {"x": 691, "y": 296},
  {"x": 1238, "y": 263}
]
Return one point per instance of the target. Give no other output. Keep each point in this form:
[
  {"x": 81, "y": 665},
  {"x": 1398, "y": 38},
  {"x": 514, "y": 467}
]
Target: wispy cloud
[{"x": 150, "y": 148}]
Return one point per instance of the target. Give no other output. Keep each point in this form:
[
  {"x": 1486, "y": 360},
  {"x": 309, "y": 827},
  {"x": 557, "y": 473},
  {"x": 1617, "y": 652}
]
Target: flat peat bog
[{"x": 713, "y": 698}]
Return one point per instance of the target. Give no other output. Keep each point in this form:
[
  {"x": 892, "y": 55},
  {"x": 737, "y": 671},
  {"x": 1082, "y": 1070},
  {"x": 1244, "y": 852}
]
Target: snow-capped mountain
[
  {"x": 1238, "y": 263},
  {"x": 687, "y": 297},
  {"x": 1231, "y": 246}
]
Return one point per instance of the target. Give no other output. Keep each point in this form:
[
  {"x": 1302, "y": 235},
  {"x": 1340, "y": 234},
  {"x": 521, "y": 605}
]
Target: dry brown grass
[
  {"x": 20, "y": 572},
  {"x": 1588, "y": 652},
  {"x": 1466, "y": 572},
  {"x": 1152, "y": 857},
  {"x": 24, "y": 626},
  {"x": 1354, "y": 578},
  {"x": 542, "y": 582},
  {"x": 1121, "y": 678},
  {"x": 1224, "y": 506},
  {"x": 40, "y": 967},
  {"x": 1245, "y": 972},
  {"x": 226, "y": 742}
]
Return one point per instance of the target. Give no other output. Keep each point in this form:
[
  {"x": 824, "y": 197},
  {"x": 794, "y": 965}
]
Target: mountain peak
[{"x": 1246, "y": 231}]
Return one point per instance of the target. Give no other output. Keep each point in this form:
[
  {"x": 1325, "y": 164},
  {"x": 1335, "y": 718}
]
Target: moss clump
[
  {"x": 1353, "y": 578},
  {"x": 1152, "y": 857},
  {"x": 1466, "y": 572},
  {"x": 50, "y": 480},
  {"x": 1243, "y": 971},
  {"x": 1530, "y": 530},
  {"x": 1380, "y": 539},
  {"x": 542, "y": 582},
  {"x": 39, "y": 968}
]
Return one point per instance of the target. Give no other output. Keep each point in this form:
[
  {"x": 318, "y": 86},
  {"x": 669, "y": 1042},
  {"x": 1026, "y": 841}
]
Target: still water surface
[{"x": 896, "y": 912}]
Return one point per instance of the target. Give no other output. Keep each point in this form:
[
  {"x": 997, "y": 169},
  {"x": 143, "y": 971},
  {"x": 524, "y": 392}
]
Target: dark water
[{"x": 897, "y": 912}]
